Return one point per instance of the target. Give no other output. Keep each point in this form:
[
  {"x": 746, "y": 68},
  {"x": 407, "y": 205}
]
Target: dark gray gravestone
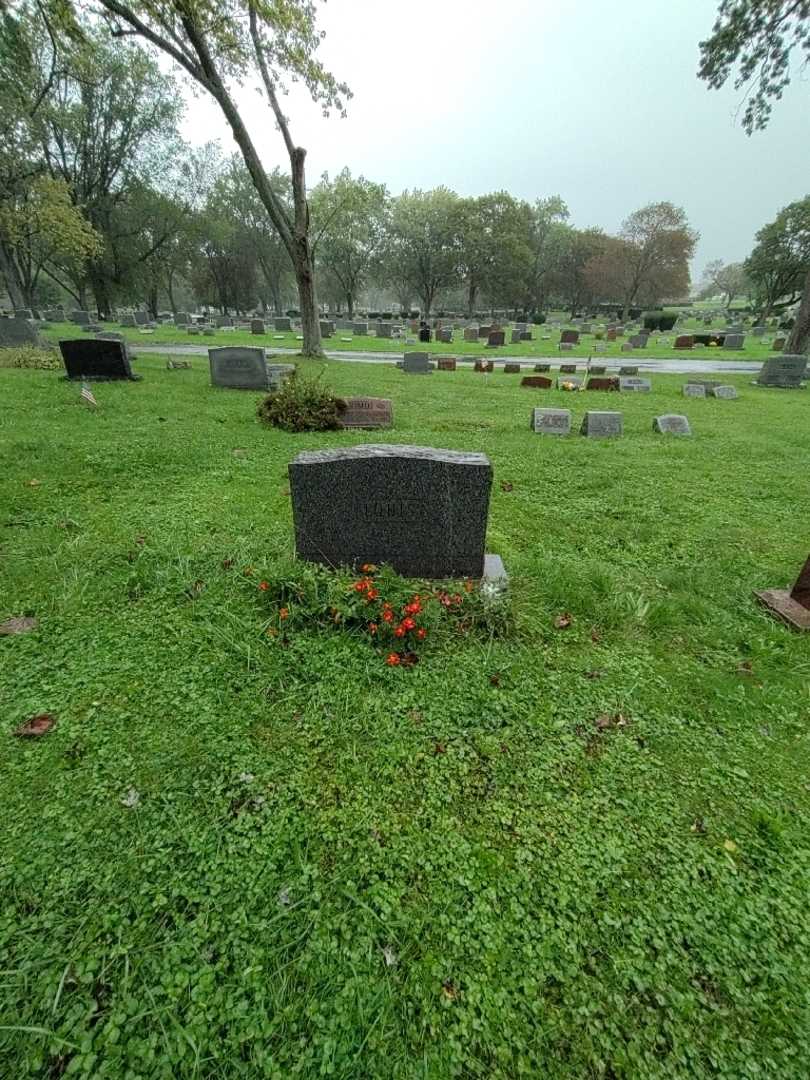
[
  {"x": 360, "y": 329},
  {"x": 597, "y": 369},
  {"x": 79, "y": 317},
  {"x": 525, "y": 335},
  {"x": 568, "y": 369},
  {"x": 366, "y": 412},
  {"x": 141, "y": 318},
  {"x": 639, "y": 341},
  {"x": 785, "y": 372},
  {"x": 238, "y": 367},
  {"x": 277, "y": 373},
  {"x": 416, "y": 363},
  {"x": 694, "y": 390},
  {"x": 551, "y": 421},
  {"x": 257, "y": 326},
  {"x": 127, "y": 320},
  {"x": 327, "y": 328},
  {"x": 511, "y": 369},
  {"x": 734, "y": 341},
  {"x": 601, "y": 425},
  {"x": 471, "y": 333},
  {"x": 221, "y": 320},
  {"x": 635, "y": 385},
  {"x": 726, "y": 392},
  {"x": 515, "y": 337},
  {"x": 419, "y": 510},
  {"x": 628, "y": 370},
  {"x": 24, "y": 313},
  {"x": 671, "y": 424},
  {"x": 181, "y": 318},
  {"x": 542, "y": 367},
  {"x": 445, "y": 335},
  {"x": 282, "y": 325},
  {"x": 97, "y": 359},
  {"x": 17, "y": 332}
]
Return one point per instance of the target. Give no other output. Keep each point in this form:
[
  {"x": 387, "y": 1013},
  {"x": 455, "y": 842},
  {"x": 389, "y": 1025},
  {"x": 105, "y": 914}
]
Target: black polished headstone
[
  {"x": 421, "y": 511},
  {"x": 96, "y": 359}
]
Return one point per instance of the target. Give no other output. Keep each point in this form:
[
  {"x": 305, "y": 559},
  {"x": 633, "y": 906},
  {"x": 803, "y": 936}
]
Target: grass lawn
[
  {"x": 240, "y": 856},
  {"x": 345, "y": 341}
]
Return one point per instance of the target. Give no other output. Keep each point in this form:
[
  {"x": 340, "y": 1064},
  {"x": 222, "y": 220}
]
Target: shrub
[
  {"x": 538, "y": 318},
  {"x": 29, "y": 356},
  {"x": 302, "y": 405}
]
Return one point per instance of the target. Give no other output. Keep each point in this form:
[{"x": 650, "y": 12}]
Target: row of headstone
[{"x": 601, "y": 424}]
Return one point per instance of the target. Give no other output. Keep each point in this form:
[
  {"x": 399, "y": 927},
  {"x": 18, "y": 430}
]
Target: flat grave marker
[
  {"x": 597, "y": 424},
  {"x": 367, "y": 412}
]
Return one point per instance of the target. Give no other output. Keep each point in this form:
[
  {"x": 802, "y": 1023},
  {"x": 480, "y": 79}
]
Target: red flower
[
  {"x": 392, "y": 659},
  {"x": 373, "y": 628},
  {"x": 456, "y": 598},
  {"x": 368, "y": 568},
  {"x": 263, "y": 586},
  {"x": 388, "y": 615},
  {"x": 372, "y": 594},
  {"x": 360, "y": 586},
  {"x": 421, "y": 633},
  {"x": 284, "y": 613},
  {"x": 413, "y": 608},
  {"x": 399, "y": 632},
  {"x": 408, "y": 624}
]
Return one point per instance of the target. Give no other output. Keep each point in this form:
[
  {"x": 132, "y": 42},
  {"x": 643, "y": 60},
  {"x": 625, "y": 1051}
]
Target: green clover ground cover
[{"x": 570, "y": 852}]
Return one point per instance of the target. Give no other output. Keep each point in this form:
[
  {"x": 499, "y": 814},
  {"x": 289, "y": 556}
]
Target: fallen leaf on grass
[
  {"x": 730, "y": 846},
  {"x": 745, "y": 668},
  {"x": 495, "y": 678},
  {"x": 227, "y": 564},
  {"x": 449, "y": 990},
  {"x": 36, "y": 726},
  {"x": 285, "y": 492},
  {"x": 440, "y": 748},
  {"x": 415, "y": 716},
  {"x": 34, "y": 483},
  {"x": 193, "y": 591},
  {"x": 20, "y": 625},
  {"x": 131, "y": 798},
  {"x": 698, "y": 826},
  {"x": 506, "y": 486},
  {"x": 606, "y": 721},
  {"x": 562, "y": 622},
  {"x": 594, "y": 674},
  {"x": 596, "y": 636},
  {"x": 284, "y": 899}
]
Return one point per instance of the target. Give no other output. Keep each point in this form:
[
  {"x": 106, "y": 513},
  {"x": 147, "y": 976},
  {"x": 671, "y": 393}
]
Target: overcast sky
[{"x": 594, "y": 101}]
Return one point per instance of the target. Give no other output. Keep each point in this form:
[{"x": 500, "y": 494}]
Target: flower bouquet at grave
[
  {"x": 399, "y": 618},
  {"x": 571, "y": 386}
]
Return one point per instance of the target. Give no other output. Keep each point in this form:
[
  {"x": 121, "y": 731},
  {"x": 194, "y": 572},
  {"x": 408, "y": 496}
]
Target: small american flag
[{"x": 87, "y": 395}]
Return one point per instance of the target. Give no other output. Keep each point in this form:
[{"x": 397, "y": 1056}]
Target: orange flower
[
  {"x": 360, "y": 586},
  {"x": 413, "y": 608},
  {"x": 408, "y": 624},
  {"x": 248, "y": 570},
  {"x": 421, "y": 633},
  {"x": 468, "y": 586},
  {"x": 373, "y": 628},
  {"x": 372, "y": 594},
  {"x": 388, "y": 615},
  {"x": 263, "y": 586},
  {"x": 399, "y": 632},
  {"x": 392, "y": 659},
  {"x": 368, "y": 568},
  {"x": 284, "y": 613}
]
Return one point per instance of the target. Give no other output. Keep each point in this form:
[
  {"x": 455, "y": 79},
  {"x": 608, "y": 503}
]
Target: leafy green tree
[
  {"x": 422, "y": 248},
  {"x": 494, "y": 247},
  {"x": 220, "y": 45},
  {"x": 350, "y": 216},
  {"x": 779, "y": 263},
  {"x": 569, "y": 278},
  {"x": 546, "y": 231},
  {"x": 755, "y": 39}
]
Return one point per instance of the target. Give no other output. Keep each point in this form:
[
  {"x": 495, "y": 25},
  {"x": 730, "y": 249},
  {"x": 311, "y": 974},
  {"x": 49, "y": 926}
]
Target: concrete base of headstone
[
  {"x": 495, "y": 580},
  {"x": 781, "y": 604}
]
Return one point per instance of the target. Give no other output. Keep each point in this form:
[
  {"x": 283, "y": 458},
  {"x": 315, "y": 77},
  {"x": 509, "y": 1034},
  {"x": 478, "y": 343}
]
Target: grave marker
[
  {"x": 421, "y": 511},
  {"x": 551, "y": 421},
  {"x": 785, "y": 372},
  {"x": 538, "y": 382},
  {"x": 635, "y": 385},
  {"x": 416, "y": 363},
  {"x": 791, "y": 606},
  {"x": 97, "y": 359},
  {"x": 238, "y": 367},
  {"x": 601, "y": 425},
  {"x": 366, "y": 412},
  {"x": 671, "y": 424}
]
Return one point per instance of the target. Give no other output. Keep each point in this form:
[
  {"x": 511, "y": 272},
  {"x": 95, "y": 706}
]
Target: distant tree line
[{"x": 102, "y": 204}]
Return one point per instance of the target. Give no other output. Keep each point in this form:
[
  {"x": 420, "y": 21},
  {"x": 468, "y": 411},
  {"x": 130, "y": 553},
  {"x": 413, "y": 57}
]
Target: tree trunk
[
  {"x": 101, "y": 292},
  {"x": 170, "y": 291},
  {"x": 310, "y": 321},
  {"x": 350, "y": 305},
  {"x": 153, "y": 301},
  {"x": 472, "y": 290},
  {"x": 799, "y": 338},
  {"x": 11, "y": 276}
]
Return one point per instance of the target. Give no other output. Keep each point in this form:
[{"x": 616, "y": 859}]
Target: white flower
[
  {"x": 389, "y": 956},
  {"x": 131, "y": 799},
  {"x": 284, "y": 897},
  {"x": 246, "y": 777}
]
